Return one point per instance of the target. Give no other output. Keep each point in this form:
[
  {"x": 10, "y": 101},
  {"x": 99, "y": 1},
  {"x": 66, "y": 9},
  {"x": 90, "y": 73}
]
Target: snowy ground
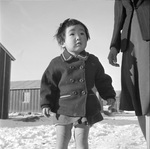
[{"x": 102, "y": 135}]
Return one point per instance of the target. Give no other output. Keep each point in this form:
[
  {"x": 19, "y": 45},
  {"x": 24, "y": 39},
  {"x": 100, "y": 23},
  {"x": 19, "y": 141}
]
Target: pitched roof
[
  {"x": 12, "y": 58},
  {"x": 34, "y": 84}
]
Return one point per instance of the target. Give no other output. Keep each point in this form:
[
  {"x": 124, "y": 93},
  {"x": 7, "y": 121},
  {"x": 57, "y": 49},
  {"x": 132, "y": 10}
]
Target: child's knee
[
  {"x": 63, "y": 136},
  {"x": 81, "y": 136}
]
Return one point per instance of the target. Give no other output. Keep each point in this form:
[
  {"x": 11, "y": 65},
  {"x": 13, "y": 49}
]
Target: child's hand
[
  {"x": 108, "y": 109},
  {"x": 111, "y": 102},
  {"x": 46, "y": 112}
]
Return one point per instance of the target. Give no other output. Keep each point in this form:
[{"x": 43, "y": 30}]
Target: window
[{"x": 26, "y": 97}]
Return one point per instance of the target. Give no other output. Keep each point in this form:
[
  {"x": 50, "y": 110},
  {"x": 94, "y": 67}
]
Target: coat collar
[{"x": 67, "y": 56}]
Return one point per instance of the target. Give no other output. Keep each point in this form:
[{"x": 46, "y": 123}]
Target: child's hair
[{"x": 60, "y": 34}]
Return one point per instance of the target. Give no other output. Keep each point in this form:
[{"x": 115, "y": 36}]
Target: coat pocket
[{"x": 64, "y": 96}]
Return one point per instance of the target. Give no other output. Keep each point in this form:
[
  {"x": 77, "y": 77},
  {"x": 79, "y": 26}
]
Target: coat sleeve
[
  {"x": 119, "y": 17},
  {"x": 103, "y": 83},
  {"x": 49, "y": 92}
]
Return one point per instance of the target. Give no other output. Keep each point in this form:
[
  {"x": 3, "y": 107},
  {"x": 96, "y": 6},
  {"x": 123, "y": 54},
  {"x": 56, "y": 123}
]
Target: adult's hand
[{"x": 112, "y": 57}]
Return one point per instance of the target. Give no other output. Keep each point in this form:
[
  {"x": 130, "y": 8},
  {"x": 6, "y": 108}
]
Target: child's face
[{"x": 75, "y": 39}]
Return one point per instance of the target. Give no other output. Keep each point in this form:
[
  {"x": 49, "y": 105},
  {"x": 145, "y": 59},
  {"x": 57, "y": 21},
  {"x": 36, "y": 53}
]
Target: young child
[{"x": 67, "y": 86}]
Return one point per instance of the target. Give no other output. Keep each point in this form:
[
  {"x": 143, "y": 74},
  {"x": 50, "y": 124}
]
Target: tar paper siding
[
  {"x": 25, "y": 100},
  {"x": 5, "y": 69}
]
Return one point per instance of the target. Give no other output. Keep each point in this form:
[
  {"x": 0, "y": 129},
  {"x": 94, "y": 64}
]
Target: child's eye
[
  {"x": 71, "y": 34},
  {"x": 82, "y": 33}
]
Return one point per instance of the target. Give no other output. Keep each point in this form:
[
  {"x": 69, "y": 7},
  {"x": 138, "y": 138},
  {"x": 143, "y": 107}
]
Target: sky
[{"x": 27, "y": 29}]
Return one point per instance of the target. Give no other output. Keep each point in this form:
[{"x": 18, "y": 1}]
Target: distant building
[
  {"x": 25, "y": 96},
  {"x": 5, "y": 70}
]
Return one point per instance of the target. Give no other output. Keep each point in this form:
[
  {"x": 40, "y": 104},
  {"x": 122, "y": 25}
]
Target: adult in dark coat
[{"x": 131, "y": 35}]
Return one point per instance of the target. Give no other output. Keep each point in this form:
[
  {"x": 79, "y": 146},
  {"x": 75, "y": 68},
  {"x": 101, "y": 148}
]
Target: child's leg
[
  {"x": 63, "y": 136},
  {"x": 81, "y": 136}
]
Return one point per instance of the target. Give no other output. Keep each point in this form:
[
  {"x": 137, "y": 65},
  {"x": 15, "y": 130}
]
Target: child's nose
[{"x": 78, "y": 36}]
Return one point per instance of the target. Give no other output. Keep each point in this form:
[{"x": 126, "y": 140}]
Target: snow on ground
[{"x": 102, "y": 136}]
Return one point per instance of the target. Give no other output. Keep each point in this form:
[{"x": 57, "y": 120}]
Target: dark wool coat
[
  {"x": 68, "y": 82},
  {"x": 122, "y": 22}
]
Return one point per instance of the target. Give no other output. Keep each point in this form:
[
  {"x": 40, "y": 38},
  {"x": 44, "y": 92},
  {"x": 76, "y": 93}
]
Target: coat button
[
  {"x": 72, "y": 80},
  {"x": 71, "y": 67},
  {"x": 81, "y": 67},
  {"x": 83, "y": 92},
  {"x": 74, "y": 92},
  {"x": 81, "y": 80}
]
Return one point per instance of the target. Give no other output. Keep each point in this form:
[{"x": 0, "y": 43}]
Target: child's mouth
[{"x": 78, "y": 44}]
